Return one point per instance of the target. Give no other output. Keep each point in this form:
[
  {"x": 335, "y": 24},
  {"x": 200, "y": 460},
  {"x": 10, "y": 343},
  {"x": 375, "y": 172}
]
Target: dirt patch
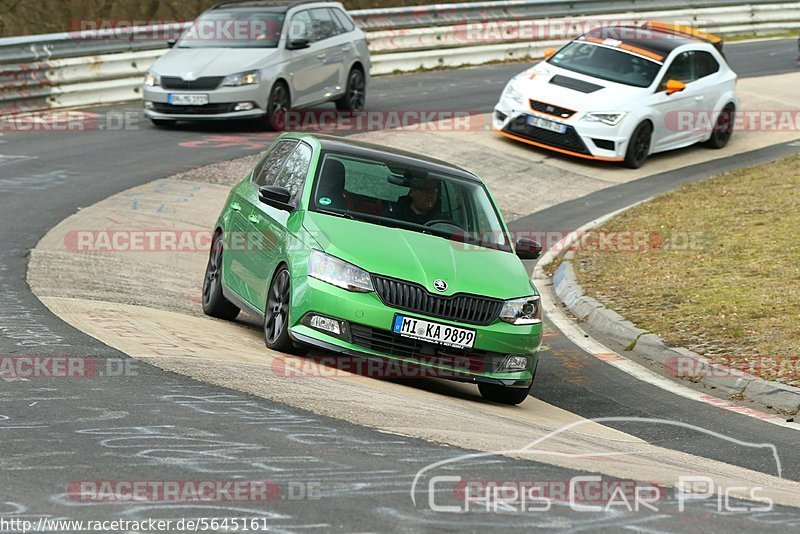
[{"x": 712, "y": 266}]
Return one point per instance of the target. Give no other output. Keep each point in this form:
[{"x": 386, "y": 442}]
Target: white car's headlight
[
  {"x": 152, "y": 80},
  {"x": 527, "y": 310},
  {"x": 513, "y": 94},
  {"x": 611, "y": 118},
  {"x": 243, "y": 78},
  {"x": 339, "y": 273}
]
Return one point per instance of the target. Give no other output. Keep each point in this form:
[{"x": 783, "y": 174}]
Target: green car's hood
[{"x": 421, "y": 258}]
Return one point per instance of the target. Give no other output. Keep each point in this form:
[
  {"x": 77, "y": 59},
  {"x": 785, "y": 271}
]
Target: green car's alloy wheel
[
  {"x": 639, "y": 146},
  {"x": 355, "y": 95},
  {"x": 276, "y": 315},
  {"x": 214, "y": 302},
  {"x": 502, "y": 394}
]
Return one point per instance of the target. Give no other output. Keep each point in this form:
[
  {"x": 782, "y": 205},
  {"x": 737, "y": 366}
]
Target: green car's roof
[{"x": 370, "y": 150}]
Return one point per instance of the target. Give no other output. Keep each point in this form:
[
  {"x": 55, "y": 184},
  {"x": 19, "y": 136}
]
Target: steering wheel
[{"x": 448, "y": 222}]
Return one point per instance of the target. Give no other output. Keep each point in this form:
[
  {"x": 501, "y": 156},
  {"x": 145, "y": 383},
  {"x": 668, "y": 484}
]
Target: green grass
[{"x": 733, "y": 294}]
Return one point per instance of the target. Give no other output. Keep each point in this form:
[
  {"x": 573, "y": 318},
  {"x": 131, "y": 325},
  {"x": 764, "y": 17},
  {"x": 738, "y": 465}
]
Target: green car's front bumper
[{"x": 367, "y": 332}]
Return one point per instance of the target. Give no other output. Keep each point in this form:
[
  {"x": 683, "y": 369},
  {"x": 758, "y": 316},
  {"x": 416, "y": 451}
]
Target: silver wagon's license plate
[
  {"x": 182, "y": 99},
  {"x": 443, "y": 334}
]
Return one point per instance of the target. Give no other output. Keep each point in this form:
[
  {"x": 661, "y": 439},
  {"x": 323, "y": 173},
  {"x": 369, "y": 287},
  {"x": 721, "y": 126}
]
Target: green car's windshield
[
  {"x": 414, "y": 198},
  {"x": 606, "y": 63},
  {"x": 234, "y": 29}
]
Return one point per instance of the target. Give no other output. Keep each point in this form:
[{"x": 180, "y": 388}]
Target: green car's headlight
[
  {"x": 339, "y": 273},
  {"x": 243, "y": 78},
  {"x": 527, "y": 310}
]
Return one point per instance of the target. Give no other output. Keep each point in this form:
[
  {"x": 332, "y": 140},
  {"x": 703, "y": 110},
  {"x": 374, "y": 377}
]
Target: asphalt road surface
[{"x": 157, "y": 425}]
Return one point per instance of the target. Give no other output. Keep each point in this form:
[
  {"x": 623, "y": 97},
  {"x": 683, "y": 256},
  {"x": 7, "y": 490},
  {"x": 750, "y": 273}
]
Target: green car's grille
[
  {"x": 411, "y": 297},
  {"x": 475, "y": 361}
]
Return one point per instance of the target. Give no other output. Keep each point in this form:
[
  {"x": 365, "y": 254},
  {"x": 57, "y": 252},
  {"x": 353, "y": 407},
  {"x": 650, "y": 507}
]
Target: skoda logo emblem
[{"x": 440, "y": 284}]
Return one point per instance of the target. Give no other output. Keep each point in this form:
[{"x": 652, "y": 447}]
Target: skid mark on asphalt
[{"x": 36, "y": 182}]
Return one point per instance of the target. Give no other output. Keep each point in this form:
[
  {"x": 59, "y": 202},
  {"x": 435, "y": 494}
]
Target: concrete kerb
[{"x": 677, "y": 361}]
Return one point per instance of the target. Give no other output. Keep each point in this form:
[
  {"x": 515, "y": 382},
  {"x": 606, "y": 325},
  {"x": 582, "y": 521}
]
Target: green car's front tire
[
  {"x": 276, "y": 313},
  {"x": 214, "y": 302},
  {"x": 503, "y": 394}
]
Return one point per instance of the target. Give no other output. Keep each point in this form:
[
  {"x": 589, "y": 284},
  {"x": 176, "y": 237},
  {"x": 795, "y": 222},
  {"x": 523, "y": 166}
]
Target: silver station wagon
[{"x": 257, "y": 59}]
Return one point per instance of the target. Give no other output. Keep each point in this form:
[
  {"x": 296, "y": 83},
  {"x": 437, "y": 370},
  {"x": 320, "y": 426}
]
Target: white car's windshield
[
  {"x": 234, "y": 29},
  {"x": 415, "y": 198},
  {"x": 606, "y": 63}
]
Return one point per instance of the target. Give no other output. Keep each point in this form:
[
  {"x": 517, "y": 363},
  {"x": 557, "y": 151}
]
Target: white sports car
[{"x": 621, "y": 93}]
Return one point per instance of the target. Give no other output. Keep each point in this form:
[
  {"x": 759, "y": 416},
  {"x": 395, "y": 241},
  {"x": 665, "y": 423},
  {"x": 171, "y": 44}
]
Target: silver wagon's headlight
[
  {"x": 151, "y": 79},
  {"x": 339, "y": 273},
  {"x": 243, "y": 78},
  {"x": 527, "y": 310}
]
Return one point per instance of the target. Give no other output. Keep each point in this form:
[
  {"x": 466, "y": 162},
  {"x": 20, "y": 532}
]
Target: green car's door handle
[
  {"x": 235, "y": 206},
  {"x": 253, "y": 218}
]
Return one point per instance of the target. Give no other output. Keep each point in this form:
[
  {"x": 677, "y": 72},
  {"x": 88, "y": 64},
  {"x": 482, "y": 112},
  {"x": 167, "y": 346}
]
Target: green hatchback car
[{"x": 381, "y": 255}]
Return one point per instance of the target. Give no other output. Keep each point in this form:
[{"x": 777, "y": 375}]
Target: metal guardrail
[{"x": 88, "y": 68}]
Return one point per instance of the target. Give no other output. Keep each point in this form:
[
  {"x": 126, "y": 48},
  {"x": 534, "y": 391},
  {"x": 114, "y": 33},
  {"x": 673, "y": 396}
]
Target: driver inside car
[{"x": 421, "y": 204}]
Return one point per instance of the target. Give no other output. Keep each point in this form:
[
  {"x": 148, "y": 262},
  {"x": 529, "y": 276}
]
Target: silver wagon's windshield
[
  {"x": 234, "y": 29},
  {"x": 415, "y": 198}
]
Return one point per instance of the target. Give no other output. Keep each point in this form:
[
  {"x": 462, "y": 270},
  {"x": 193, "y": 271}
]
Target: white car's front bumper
[{"x": 582, "y": 138}]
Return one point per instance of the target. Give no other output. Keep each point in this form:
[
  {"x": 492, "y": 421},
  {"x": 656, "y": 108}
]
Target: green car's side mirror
[
  {"x": 528, "y": 249},
  {"x": 275, "y": 196}
]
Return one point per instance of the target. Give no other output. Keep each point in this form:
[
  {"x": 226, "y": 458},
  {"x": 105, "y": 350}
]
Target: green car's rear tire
[
  {"x": 276, "y": 313},
  {"x": 503, "y": 394},
  {"x": 214, "y": 302}
]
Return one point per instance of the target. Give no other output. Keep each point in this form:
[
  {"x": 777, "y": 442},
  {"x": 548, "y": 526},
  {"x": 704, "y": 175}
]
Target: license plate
[
  {"x": 187, "y": 100},
  {"x": 442, "y": 334},
  {"x": 545, "y": 124}
]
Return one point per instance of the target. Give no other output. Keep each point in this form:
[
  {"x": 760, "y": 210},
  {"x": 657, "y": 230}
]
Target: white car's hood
[
  {"x": 191, "y": 63},
  {"x": 535, "y": 83}
]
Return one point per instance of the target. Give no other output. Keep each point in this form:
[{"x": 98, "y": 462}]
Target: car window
[
  {"x": 606, "y": 63},
  {"x": 344, "y": 21},
  {"x": 704, "y": 64},
  {"x": 325, "y": 25},
  {"x": 389, "y": 193},
  {"x": 301, "y": 26},
  {"x": 293, "y": 174},
  {"x": 272, "y": 166},
  {"x": 681, "y": 69},
  {"x": 233, "y": 29}
]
